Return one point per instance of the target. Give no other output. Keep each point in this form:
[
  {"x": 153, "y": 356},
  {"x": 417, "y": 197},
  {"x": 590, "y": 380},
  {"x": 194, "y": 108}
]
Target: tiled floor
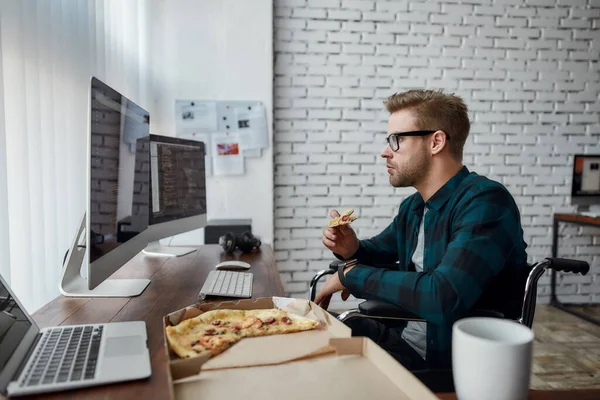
[{"x": 566, "y": 350}]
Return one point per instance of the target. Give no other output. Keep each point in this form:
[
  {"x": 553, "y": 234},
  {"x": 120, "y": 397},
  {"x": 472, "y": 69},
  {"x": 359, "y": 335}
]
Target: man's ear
[{"x": 438, "y": 142}]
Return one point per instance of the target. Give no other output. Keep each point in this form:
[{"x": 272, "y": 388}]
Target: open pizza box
[{"x": 322, "y": 363}]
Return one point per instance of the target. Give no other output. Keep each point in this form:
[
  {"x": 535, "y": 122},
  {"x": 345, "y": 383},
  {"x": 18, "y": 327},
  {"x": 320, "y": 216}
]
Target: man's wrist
[
  {"x": 350, "y": 256},
  {"x": 343, "y": 267},
  {"x": 353, "y": 255}
]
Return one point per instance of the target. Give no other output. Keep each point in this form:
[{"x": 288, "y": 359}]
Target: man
[{"x": 456, "y": 244}]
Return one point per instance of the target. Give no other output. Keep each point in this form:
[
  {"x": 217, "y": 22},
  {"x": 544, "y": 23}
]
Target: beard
[{"x": 411, "y": 172}]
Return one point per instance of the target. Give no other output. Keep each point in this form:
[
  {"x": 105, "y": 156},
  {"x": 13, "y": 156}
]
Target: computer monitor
[
  {"x": 118, "y": 197},
  {"x": 585, "y": 188},
  {"x": 178, "y": 187}
]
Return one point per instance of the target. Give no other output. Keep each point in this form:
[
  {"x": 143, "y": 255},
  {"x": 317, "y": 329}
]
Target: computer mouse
[{"x": 232, "y": 265}]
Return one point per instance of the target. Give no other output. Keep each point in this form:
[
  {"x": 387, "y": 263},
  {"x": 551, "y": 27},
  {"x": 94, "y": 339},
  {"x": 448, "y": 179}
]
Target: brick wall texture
[
  {"x": 105, "y": 127},
  {"x": 107, "y": 139},
  {"x": 528, "y": 71}
]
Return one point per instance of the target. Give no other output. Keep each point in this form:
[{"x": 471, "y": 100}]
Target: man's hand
[
  {"x": 341, "y": 239},
  {"x": 332, "y": 285}
]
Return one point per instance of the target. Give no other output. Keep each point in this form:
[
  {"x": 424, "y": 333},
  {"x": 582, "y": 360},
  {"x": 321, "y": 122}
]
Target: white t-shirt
[{"x": 415, "y": 332}]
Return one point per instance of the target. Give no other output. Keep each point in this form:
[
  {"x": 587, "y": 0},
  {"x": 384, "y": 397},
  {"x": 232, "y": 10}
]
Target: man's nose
[{"x": 386, "y": 152}]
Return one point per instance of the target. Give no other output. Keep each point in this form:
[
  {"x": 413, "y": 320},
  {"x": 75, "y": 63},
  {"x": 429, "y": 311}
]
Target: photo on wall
[{"x": 226, "y": 155}]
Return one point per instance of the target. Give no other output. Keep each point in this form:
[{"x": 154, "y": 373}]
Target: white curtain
[{"x": 49, "y": 49}]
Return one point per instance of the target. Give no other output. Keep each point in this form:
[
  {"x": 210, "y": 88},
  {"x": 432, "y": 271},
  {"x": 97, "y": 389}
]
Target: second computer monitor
[
  {"x": 585, "y": 187},
  {"x": 178, "y": 191}
]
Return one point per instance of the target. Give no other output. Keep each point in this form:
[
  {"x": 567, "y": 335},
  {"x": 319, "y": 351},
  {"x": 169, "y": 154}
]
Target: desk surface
[
  {"x": 578, "y": 218},
  {"x": 175, "y": 283}
]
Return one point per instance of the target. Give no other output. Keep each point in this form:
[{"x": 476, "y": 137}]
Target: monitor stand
[
  {"x": 72, "y": 284},
  {"x": 156, "y": 249}
]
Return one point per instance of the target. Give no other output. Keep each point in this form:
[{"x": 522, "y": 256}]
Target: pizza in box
[{"x": 215, "y": 331}]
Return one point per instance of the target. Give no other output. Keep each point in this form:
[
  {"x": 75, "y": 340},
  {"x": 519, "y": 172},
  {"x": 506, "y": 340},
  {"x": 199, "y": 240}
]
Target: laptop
[{"x": 34, "y": 360}]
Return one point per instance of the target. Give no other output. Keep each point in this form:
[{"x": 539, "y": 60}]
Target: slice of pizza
[
  {"x": 343, "y": 219},
  {"x": 227, "y": 320},
  {"x": 274, "y": 321},
  {"x": 215, "y": 331},
  {"x": 193, "y": 338}
]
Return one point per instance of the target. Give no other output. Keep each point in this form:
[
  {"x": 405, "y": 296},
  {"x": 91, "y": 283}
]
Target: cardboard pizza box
[
  {"x": 252, "y": 351},
  {"x": 291, "y": 364},
  {"x": 357, "y": 369}
]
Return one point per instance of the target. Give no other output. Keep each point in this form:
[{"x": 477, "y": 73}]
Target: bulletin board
[{"x": 231, "y": 130}]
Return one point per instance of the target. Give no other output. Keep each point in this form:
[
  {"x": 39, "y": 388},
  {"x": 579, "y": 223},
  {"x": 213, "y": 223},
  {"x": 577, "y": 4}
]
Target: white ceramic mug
[{"x": 491, "y": 359}]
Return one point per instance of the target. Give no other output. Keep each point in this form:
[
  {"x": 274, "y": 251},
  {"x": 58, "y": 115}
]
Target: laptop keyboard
[
  {"x": 65, "y": 355},
  {"x": 227, "y": 284}
]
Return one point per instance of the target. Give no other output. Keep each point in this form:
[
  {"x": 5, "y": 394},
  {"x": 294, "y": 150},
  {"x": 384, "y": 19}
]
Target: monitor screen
[
  {"x": 120, "y": 170},
  {"x": 15, "y": 322},
  {"x": 586, "y": 176},
  {"x": 178, "y": 181}
]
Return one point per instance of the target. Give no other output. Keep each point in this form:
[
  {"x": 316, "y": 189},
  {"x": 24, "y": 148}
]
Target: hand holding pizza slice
[
  {"x": 343, "y": 219},
  {"x": 338, "y": 235}
]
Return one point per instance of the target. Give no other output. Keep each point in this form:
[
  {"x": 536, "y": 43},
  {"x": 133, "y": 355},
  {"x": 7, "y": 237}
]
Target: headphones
[{"x": 247, "y": 243}]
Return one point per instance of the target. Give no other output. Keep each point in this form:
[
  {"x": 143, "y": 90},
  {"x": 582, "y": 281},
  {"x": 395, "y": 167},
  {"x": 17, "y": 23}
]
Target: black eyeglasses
[{"x": 394, "y": 142}]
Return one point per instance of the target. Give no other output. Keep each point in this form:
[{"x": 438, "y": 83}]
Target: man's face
[{"x": 408, "y": 165}]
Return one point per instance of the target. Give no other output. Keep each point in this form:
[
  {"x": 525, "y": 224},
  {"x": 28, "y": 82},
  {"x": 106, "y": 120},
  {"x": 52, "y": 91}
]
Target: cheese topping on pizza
[{"x": 215, "y": 331}]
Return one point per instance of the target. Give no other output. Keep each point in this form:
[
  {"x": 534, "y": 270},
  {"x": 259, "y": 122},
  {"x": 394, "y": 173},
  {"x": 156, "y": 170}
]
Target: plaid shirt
[{"x": 474, "y": 258}]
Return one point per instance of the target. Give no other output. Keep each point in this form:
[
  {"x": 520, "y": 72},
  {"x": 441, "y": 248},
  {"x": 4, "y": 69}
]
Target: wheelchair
[{"x": 441, "y": 380}]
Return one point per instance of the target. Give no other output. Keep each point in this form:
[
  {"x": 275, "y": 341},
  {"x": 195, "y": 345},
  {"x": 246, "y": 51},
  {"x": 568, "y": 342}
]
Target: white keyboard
[{"x": 227, "y": 284}]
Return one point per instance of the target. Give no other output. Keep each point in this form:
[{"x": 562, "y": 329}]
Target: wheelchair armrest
[
  {"x": 312, "y": 287},
  {"x": 381, "y": 309}
]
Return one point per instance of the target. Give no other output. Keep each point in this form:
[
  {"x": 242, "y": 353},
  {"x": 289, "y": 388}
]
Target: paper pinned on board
[
  {"x": 252, "y": 127},
  {"x": 196, "y": 116},
  {"x": 227, "y": 155}
]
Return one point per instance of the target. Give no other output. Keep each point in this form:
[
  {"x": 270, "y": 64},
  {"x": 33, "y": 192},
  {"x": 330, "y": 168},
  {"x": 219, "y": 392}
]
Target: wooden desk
[
  {"x": 577, "y": 219},
  {"x": 175, "y": 284},
  {"x": 548, "y": 395}
]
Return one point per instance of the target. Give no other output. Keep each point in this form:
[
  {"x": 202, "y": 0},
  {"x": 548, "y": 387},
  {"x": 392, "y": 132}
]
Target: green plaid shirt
[{"x": 474, "y": 258}]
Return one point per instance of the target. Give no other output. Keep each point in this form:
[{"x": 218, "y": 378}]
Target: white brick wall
[{"x": 528, "y": 70}]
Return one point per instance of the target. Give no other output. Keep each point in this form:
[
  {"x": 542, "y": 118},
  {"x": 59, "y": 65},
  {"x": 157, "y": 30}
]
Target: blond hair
[{"x": 435, "y": 110}]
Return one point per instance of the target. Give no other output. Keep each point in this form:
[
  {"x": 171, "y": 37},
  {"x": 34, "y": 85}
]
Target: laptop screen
[{"x": 15, "y": 323}]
